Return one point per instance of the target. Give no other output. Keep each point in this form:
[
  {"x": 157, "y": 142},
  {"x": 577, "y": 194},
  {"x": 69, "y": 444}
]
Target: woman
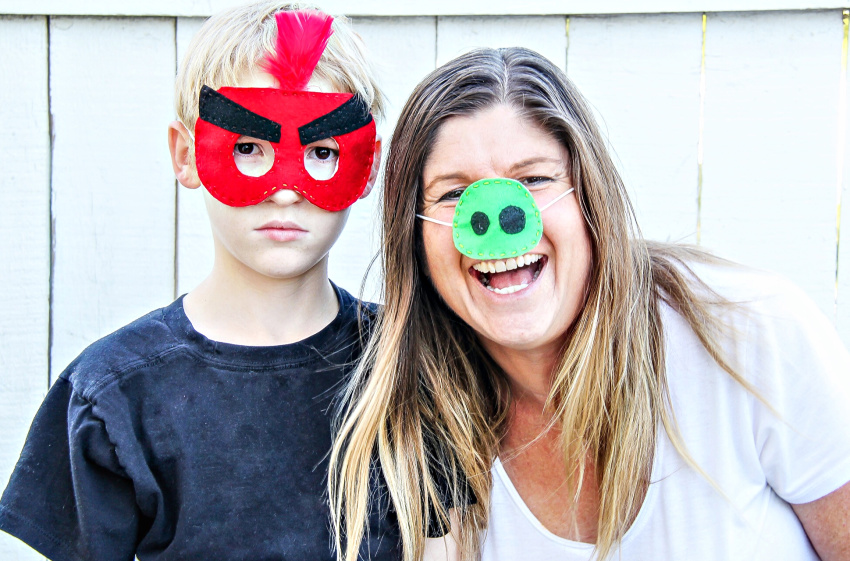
[{"x": 597, "y": 395}]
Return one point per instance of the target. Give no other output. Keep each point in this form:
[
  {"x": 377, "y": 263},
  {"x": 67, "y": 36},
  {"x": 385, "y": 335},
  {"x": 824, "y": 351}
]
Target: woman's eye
[
  {"x": 534, "y": 180},
  {"x": 453, "y": 195}
]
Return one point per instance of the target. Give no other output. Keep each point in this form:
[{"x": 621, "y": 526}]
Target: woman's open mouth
[{"x": 506, "y": 276}]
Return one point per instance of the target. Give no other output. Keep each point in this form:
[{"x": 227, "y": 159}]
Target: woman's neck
[
  {"x": 529, "y": 371},
  {"x": 532, "y": 454}
]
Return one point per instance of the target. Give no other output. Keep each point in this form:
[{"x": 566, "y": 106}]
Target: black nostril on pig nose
[
  {"x": 512, "y": 219},
  {"x": 480, "y": 223}
]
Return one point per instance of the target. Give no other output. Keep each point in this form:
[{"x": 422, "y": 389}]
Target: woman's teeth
[
  {"x": 508, "y": 289},
  {"x": 502, "y": 265},
  {"x": 513, "y": 280}
]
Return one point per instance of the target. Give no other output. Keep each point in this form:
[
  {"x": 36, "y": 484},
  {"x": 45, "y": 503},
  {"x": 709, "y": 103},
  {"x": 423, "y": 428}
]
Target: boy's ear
[
  {"x": 376, "y": 167},
  {"x": 180, "y": 144}
]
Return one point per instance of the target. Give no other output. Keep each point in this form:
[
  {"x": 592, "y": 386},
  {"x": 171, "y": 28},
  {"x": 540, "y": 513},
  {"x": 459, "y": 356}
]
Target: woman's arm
[
  {"x": 445, "y": 548},
  {"x": 827, "y": 523},
  {"x": 441, "y": 549}
]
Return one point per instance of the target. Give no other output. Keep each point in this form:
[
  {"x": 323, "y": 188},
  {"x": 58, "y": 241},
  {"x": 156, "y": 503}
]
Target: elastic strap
[
  {"x": 434, "y": 220},
  {"x": 450, "y": 225},
  {"x": 558, "y": 198}
]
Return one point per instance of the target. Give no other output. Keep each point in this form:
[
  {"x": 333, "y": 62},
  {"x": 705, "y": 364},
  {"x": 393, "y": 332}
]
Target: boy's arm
[{"x": 68, "y": 497}]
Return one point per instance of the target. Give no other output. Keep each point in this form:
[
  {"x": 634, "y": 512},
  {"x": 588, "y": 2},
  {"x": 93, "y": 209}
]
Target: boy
[{"x": 200, "y": 431}]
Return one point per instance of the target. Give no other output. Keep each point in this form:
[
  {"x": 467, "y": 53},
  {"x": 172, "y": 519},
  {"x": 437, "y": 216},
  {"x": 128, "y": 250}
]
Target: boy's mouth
[{"x": 506, "y": 276}]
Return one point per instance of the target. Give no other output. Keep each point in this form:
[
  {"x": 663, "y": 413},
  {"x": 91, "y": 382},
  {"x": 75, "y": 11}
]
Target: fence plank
[
  {"x": 113, "y": 188},
  {"x": 770, "y": 144},
  {"x": 402, "y": 51},
  {"x": 641, "y": 75},
  {"x": 24, "y": 242},
  {"x": 396, "y": 8},
  {"x": 544, "y": 34},
  {"x": 195, "y": 250},
  {"x": 842, "y": 287},
  {"x": 842, "y": 304}
]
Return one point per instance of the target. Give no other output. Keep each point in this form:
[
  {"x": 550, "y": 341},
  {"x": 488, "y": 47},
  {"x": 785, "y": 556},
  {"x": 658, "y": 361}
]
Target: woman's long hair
[{"x": 429, "y": 403}]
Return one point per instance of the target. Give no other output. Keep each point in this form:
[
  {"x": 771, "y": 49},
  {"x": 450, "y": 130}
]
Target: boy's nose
[{"x": 285, "y": 197}]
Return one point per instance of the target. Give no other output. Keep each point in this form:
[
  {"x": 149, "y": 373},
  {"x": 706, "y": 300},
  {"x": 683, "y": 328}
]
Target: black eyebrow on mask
[
  {"x": 348, "y": 117},
  {"x": 217, "y": 109}
]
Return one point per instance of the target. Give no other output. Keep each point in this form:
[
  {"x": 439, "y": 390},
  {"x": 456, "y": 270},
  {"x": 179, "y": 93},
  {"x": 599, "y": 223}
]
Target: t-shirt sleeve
[
  {"x": 448, "y": 497},
  {"x": 68, "y": 497},
  {"x": 382, "y": 504},
  {"x": 802, "y": 370}
]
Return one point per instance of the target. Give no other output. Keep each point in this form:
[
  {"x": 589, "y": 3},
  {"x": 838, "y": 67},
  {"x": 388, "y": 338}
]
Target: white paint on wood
[
  {"x": 13, "y": 549},
  {"x": 544, "y": 34},
  {"x": 641, "y": 76},
  {"x": 113, "y": 187},
  {"x": 402, "y": 52},
  {"x": 24, "y": 242},
  {"x": 842, "y": 304},
  {"x": 431, "y": 8},
  {"x": 770, "y": 142},
  {"x": 195, "y": 252},
  {"x": 842, "y": 296}
]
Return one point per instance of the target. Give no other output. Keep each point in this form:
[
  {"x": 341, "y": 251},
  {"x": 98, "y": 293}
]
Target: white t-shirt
[{"x": 791, "y": 353}]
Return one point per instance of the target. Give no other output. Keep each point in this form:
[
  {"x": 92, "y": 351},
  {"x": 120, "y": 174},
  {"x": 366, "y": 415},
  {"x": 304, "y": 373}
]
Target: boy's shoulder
[
  {"x": 156, "y": 419},
  {"x": 346, "y": 336},
  {"x": 164, "y": 337},
  {"x": 363, "y": 311},
  {"x": 139, "y": 344}
]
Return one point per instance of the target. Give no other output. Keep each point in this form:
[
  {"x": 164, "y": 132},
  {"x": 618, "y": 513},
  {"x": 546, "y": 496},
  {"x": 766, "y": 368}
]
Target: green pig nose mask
[{"x": 496, "y": 218}]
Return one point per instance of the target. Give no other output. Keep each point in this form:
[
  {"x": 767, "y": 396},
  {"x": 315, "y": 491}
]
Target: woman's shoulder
[
  {"x": 770, "y": 328},
  {"x": 749, "y": 290},
  {"x": 762, "y": 318}
]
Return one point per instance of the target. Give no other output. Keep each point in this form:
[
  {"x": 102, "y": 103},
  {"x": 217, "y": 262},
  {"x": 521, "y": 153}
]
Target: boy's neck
[{"x": 239, "y": 306}]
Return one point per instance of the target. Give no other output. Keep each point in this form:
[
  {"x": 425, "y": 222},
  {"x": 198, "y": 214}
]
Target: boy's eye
[
  {"x": 323, "y": 153},
  {"x": 248, "y": 148},
  {"x": 252, "y": 156},
  {"x": 321, "y": 159}
]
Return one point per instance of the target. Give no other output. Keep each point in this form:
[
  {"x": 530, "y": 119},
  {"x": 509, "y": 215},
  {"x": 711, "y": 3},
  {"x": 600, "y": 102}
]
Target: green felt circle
[{"x": 491, "y": 196}]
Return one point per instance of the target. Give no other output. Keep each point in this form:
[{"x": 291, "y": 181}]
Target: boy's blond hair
[{"x": 236, "y": 41}]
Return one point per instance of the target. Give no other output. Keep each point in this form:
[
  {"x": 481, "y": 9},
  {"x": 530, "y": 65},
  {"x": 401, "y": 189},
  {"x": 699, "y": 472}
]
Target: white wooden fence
[{"x": 729, "y": 127}]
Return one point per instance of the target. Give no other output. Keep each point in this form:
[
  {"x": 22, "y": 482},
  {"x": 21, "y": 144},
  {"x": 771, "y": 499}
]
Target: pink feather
[{"x": 302, "y": 36}]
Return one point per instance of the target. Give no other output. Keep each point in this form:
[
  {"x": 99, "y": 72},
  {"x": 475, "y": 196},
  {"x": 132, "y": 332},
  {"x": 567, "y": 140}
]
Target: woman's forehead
[{"x": 496, "y": 142}]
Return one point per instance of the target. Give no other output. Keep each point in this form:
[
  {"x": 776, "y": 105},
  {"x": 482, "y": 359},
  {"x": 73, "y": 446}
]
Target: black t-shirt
[{"x": 160, "y": 443}]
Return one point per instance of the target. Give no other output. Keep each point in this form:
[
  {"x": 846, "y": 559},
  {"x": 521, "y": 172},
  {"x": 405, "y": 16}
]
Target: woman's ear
[
  {"x": 376, "y": 167},
  {"x": 181, "y": 146}
]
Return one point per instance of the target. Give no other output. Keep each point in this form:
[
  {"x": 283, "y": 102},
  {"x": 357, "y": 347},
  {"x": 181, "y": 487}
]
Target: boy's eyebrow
[
  {"x": 348, "y": 117},
  {"x": 222, "y": 112}
]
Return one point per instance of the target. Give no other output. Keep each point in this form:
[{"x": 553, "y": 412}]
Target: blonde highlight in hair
[
  {"x": 429, "y": 403},
  {"x": 237, "y": 40}
]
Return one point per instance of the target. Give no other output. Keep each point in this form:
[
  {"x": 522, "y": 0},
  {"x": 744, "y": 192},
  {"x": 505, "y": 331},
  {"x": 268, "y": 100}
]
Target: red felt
[
  {"x": 302, "y": 36},
  {"x": 219, "y": 174}
]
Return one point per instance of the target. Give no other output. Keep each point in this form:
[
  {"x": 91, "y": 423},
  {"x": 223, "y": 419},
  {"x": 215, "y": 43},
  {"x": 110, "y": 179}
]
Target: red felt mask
[{"x": 289, "y": 121}]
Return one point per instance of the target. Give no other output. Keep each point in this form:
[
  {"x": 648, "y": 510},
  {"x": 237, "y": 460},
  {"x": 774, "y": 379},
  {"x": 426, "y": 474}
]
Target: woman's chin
[{"x": 518, "y": 334}]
